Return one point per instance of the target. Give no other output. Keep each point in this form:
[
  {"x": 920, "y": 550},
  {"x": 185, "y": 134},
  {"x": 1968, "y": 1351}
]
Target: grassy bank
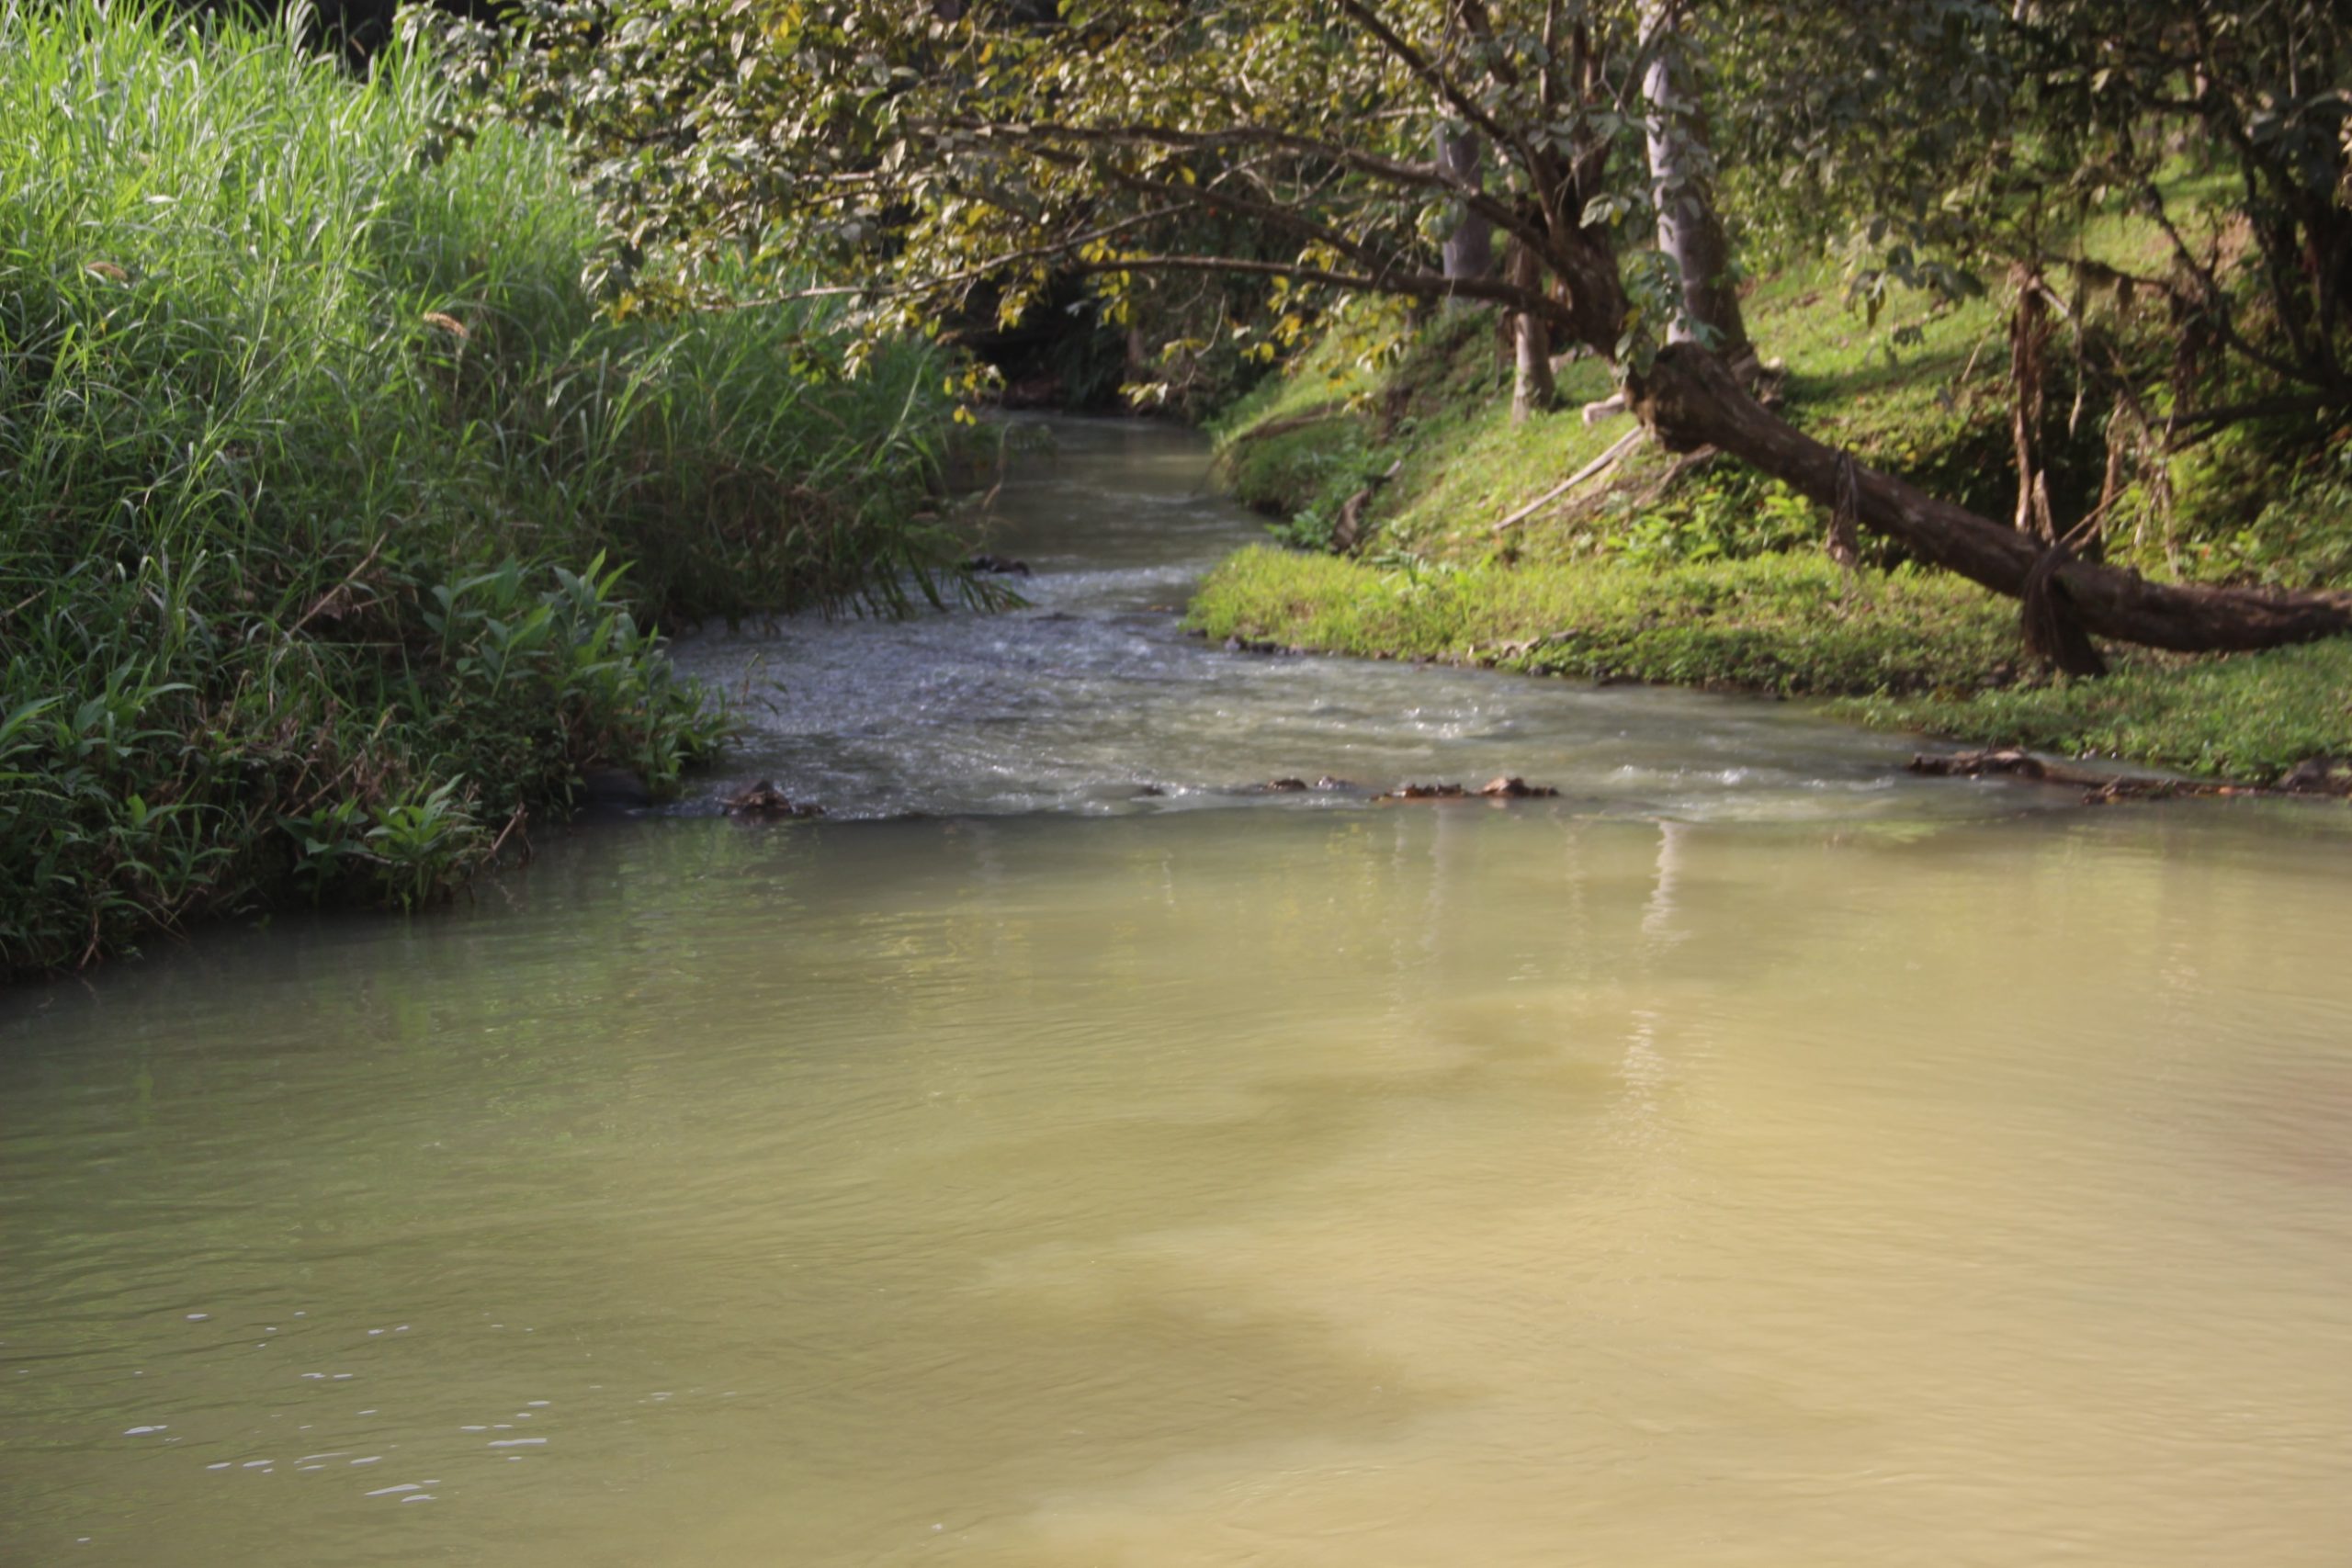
[
  {"x": 1403, "y": 486},
  {"x": 1785, "y": 624},
  {"x": 335, "y": 520},
  {"x": 1902, "y": 650}
]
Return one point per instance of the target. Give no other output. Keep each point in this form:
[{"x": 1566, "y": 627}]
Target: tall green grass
[{"x": 334, "y": 518}]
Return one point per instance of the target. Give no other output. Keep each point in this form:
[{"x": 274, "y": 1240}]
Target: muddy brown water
[{"x": 1754, "y": 1156}]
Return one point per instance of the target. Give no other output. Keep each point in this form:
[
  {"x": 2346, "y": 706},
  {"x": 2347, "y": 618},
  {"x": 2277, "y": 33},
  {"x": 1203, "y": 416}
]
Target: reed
[{"x": 336, "y": 519}]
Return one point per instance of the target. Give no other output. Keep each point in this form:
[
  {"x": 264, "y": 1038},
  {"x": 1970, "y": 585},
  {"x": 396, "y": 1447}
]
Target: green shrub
[{"x": 317, "y": 460}]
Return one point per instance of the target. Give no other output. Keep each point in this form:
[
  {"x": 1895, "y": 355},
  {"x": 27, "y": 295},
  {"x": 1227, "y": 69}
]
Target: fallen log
[{"x": 1688, "y": 400}]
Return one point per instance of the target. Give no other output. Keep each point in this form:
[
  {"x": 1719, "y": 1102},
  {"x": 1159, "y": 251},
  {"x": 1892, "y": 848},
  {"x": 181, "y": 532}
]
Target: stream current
[{"x": 1062, "y": 1156}]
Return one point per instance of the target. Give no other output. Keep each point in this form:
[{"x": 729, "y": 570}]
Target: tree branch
[
  {"x": 1420, "y": 177},
  {"x": 1417, "y": 285}
]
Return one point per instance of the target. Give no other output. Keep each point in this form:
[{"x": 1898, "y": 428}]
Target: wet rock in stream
[
  {"x": 1326, "y": 785},
  {"x": 1505, "y": 788},
  {"x": 621, "y": 788}
]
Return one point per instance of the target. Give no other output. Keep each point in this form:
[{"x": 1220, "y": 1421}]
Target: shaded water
[{"x": 1839, "y": 1169}]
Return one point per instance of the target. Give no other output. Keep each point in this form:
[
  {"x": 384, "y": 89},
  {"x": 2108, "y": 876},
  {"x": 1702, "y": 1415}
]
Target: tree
[
  {"x": 1469, "y": 249},
  {"x": 931, "y": 154},
  {"x": 1680, "y": 149}
]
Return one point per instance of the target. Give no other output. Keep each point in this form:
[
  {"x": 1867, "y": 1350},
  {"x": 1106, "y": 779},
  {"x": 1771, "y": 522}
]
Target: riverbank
[
  {"x": 1420, "y": 523},
  {"x": 338, "y": 524}
]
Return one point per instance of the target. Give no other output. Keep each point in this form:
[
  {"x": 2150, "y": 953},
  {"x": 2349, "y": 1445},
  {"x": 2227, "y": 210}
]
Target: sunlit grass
[{"x": 1785, "y": 624}]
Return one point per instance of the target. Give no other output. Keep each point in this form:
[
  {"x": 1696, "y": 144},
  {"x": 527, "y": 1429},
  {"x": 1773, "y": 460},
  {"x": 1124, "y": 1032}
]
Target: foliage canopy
[{"x": 945, "y": 153}]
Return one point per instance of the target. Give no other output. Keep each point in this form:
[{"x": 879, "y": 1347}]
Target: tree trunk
[
  {"x": 1469, "y": 251},
  {"x": 1681, "y": 185},
  {"x": 1139, "y": 364},
  {"x": 1690, "y": 401},
  {"x": 1532, "y": 390}
]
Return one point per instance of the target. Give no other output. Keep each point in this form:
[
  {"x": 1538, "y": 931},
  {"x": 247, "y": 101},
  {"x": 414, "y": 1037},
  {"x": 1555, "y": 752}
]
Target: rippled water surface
[
  {"x": 1752, "y": 1156},
  {"x": 1092, "y": 696}
]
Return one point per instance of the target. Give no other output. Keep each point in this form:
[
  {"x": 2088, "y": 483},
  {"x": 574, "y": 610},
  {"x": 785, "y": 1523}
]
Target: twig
[
  {"x": 521, "y": 814},
  {"x": 1608, "y": 459},
  {"x": 323, "y": 600}
]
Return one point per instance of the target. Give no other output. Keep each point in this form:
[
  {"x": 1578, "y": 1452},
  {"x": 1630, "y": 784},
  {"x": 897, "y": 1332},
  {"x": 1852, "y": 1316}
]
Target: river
[{"x": 1062, "y": 1154}]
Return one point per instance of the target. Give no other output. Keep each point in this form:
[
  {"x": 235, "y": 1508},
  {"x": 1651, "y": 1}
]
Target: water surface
[
  {"x": 1802, "y": 1165},
  {"x": 1092, "y": 696}
]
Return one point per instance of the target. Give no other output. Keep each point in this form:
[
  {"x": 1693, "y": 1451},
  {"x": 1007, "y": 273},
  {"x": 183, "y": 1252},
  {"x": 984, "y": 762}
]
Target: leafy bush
[{"x": 1730, "y": 513}]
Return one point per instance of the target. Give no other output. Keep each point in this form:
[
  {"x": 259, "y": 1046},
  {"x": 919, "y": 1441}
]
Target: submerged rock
[
  {"x": 1515, "y": 788},
  {"x": 611, "y": 786},
  {"x": 1326, "y": 785},
  {"x": 766, "y": 802},
  {"x": 1002, "y": 566}
]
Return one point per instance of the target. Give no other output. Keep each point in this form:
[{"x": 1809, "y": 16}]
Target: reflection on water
[{"x": 1371, "y": 1187}]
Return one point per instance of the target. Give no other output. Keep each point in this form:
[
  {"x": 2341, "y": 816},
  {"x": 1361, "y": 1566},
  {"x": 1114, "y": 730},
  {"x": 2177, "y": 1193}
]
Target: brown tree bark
[
  {"x": 1531, "y": 387},
  {"x": 1689, "y": 229},
  {"x": 1690, "y": 401},
  {"x": 1469, "y": 251}
]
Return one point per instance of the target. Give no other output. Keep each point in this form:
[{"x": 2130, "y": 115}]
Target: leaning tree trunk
[
  {"x": 1690, "y": 401},
  {"x": 1681, "y": 186}
]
